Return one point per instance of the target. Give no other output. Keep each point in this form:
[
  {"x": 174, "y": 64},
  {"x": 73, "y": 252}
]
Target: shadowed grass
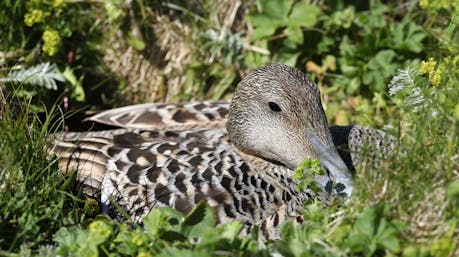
[{"x": 34, "y": 200}]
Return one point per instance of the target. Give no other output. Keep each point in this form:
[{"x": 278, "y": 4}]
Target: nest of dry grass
[{"x": 158, "y": 73}]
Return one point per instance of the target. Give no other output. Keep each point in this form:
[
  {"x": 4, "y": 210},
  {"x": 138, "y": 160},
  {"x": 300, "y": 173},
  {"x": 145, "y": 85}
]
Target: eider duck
[{"x": 179, "y": 155}]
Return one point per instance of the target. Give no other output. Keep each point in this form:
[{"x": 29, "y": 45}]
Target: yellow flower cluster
[
  {"x": 137, "y": 238},
  {"x": 51, "y": 42},
  {"x": 58, "y": 3},
  {"x": 100, "y": 228},
  {"x": 435, "y": 4},
  {"x": 437, "y": 71},
  {"x": 143, "y": 254},
  {"x": 34, "y": 16}
]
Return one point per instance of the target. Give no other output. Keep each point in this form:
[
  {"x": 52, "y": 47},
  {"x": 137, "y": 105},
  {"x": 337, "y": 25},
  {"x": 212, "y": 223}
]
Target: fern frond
[
  {"x": 404, "y": 81},
  {"x": 44, "y": 75}
]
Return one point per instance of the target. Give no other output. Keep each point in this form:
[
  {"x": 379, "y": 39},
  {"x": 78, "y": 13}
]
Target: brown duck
[{"x": 179, "y": 155}]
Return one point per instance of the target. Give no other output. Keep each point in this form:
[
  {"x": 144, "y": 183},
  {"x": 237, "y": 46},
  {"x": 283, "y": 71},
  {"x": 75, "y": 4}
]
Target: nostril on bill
[{"x": 339, "y": 187}]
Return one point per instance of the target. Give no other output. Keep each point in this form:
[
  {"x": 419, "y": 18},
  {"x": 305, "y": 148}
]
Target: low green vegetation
[{"x": 386, "y": 64}]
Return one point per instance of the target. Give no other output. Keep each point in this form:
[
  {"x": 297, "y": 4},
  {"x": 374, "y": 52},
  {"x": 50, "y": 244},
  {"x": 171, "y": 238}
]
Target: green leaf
[
  {"x": 382, "y": 59},
  {"x": 364, "y": 223},
  {"x": 287, "y": 230},
  {"x": 325, "y": 45},
  {"x": 304, "y": 14},
  {"x": 272, "y": 15},
  {"x": 128, "y": 241},
  {"x": 295, "y": 34},
  {"x": 287, "y": 57},
  {"x": 67, "y": 236},
  {"x": 136, "y": 42},
  {"x": 198, "y": 220},
  {"x": 380, "y": 69},
  {"x": 277, "y": 10},
  {"x": 76, "y": 84},
  {"x": 390, "y": 243},
  {"x": 408, "y": 36},
  {"x": 161, "y": 219},
  {"x": 453, "y": 190},
  {"x": 263, "y": 31},
  {"x": 229, "y": 231},
  {"x": 176, "y": 252}
]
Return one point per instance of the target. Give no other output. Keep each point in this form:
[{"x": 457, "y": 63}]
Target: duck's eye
[{"x": 274, "y": 107}]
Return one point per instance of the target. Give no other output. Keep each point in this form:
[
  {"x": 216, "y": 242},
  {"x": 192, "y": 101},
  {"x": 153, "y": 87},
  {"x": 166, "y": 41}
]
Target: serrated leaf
[
  {"x": 263, "y": 31},
  {"x": 231, "y": 230},
  {"x": 228, "y": 231},
  {"x": 304, "y": 14},
  {"x": 276, "y": 10},
  {"x": 66, "y": 236},
  {"x": 380, "y": 68},
  {"x": 364, "y": 223},
  {"x": 295, "y": 34},
  {"x": 408, "y": 36},
  {"x": 390, "y": 243},
  {"x": 161, "y": 219},
  {"x": 198, "y": 220},
  {"x": 272, "y": 15},
  {"x": 381, "y": 59}
]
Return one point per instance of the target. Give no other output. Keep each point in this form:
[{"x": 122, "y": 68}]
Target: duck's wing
[
  {"x": 142, "y": 170},
  {"x": 359, "y": 144},
  {"x": 153, "y": 116}
]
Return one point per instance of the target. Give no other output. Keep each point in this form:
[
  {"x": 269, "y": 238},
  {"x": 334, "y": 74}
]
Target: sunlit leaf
[{"x": 304, "y": 14}]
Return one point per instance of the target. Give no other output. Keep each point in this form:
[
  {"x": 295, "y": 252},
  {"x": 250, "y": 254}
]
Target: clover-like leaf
[
  {"x": 198, "y": 220},
  {"x": 272, "y": 15},
  {"x": 304, "y": 14},
  {"x": 161, "y": 219}
]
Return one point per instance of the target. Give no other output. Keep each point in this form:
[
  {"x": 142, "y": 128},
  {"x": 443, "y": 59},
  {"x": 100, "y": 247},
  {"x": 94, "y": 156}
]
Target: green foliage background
[{"x": 113, "y": 53}]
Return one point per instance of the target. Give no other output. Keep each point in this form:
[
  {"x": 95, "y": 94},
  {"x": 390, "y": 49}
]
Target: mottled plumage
[{"x": 169, "y": 156}]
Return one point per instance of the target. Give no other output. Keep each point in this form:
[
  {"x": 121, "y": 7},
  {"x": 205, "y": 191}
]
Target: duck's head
[{"x": 273, "y": 114}]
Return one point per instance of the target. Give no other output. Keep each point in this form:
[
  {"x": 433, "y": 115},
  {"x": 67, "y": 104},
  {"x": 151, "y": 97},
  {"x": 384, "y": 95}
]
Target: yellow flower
[
  {"x": 436, "y": 78},
  {"x": 137, "y": 238},
  {"x": 58, "y": 3},
  {"x": 456, "y": 60},
  {"x": 100, "y": 228},
  {"x": 434, "y": 71},
  {"x": 143, "y": 254},
  {"x": 51, "y": 42},
  {"x": 424, "y": 4},
  {"x": 428, "y": 67},
  {"x": 34, "y": 16}
]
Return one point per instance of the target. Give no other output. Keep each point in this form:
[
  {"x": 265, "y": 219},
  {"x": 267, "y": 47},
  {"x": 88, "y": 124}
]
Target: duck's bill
[{"x": 338, "y": 179}]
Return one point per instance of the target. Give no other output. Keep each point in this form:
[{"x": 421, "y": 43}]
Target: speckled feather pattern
[{"x": 142, "y": 170}]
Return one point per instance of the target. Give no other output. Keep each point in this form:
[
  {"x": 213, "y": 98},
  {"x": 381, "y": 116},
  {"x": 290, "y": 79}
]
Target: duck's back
[{"x": 157, "y": 116}]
